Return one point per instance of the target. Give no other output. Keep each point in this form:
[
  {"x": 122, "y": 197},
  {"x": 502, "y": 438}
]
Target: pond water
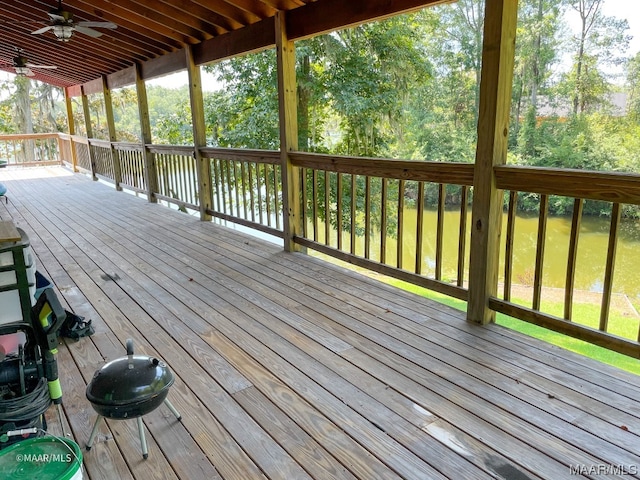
[{"x": 591, "y": 256}]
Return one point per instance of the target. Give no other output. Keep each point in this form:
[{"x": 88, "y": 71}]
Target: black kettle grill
[{"x": 130, "y": 387}]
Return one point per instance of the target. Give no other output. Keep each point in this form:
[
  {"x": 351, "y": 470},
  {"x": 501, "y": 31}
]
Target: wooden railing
[
  {"x": 82, "y": 151},
  {"x": 176, "y": 171},
  {"x": 102, "y": 161},
  {"x": 30, "y": 149},
  {"x": 614, "y": 188},
  {"x": 356, "y": 210},
  {"x": 130, "y": 157},
  {"x": 247, "y": 188}
]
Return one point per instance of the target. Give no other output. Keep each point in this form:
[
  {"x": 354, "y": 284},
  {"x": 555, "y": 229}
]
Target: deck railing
[
  {"x": 356, "y": 210},
  {"x": 616, "y": 189},
  {"x": 130, "y": 157},
  {"x": 176, "y": 175},
  {"x": 246, "y": 188},
  {"x": 102, "y": 161},
  {"x": 30, "y": 149}
]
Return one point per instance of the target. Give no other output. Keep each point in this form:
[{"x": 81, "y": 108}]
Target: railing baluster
[
  {"x": 229, "y": 185},
  {"x": 383, "y": 222},
  {"x": 260, "y": 195},
  {"x": 252, "y": 198},
  {"x": 327, "y": 212},
  {"x": 611, "y": 262},
  {"x": 462, "y": 240},
  {"x": 572, "y": 256},
  {"x": 400, "y": 231},
  {"x": 339, "y": 209},
  {"x": 367, "y": 217},
  {"x": 216, "y": 181},
  {"x": 236, "y": 187},
  {"x": 540, "y": 245},
  {"x": 184, "y": 178},
  {"x": 304, "y": 191},
  {"x": 420, "y": 228},
  {"x": 315, "y": 205},
  {"x": 508, "y": 257},
  {"x": 267, "y": 192},
  {"x": 243, "y": 172},
  {"x": 440, "y": 230},
  {"x": 277, "y": 191},
  {"x": 354, "y": 204}
]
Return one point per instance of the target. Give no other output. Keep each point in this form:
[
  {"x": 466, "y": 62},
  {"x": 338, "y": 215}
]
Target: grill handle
[{"x": 130, "y": 352}]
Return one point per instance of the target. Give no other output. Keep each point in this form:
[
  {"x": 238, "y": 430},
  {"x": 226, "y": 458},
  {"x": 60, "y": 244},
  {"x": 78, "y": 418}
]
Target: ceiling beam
[{"x": 327, "y": 16}]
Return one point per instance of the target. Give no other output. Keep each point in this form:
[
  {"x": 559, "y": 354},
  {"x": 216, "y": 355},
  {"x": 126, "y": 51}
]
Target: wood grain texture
[{"x": 588, "y": 185}]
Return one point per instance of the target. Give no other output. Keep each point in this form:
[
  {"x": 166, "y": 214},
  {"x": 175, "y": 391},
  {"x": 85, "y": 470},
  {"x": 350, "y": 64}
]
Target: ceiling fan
[
  {"x": 63, "y": 25},
  {"x": 23, "y": 67}
]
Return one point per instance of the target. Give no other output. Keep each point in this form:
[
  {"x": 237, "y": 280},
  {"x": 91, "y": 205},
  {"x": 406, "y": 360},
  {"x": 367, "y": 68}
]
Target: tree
[
  {"x": 599, "y": 42},
  {"x": 633, "y": 85},
  {"x": 536, "y": 51},
  {"x": 463, "y": 25},
  {"x": 245, "y": 113}
]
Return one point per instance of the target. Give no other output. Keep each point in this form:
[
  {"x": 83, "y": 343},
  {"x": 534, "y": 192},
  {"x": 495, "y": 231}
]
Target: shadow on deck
[{"x": 290, "y": 368}]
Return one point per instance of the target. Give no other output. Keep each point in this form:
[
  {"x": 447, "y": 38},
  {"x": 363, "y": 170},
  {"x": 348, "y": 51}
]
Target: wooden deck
[{"x": 291, "y": 368}]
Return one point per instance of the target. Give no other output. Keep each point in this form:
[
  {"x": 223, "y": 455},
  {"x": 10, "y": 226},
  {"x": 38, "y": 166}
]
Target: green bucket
[{"x": 44, "y": 458}]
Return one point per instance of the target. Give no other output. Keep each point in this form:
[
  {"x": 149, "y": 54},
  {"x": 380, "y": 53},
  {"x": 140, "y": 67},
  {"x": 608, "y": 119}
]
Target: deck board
[{"x": 288, "y": 367}]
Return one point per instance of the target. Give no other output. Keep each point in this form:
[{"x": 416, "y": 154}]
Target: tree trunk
[
  {"x": 303, "y": 104},
  {"x": 24, "y": 118}
]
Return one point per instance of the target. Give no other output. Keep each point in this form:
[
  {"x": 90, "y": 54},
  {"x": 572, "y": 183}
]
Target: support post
[
  {"x": 111, "y": 124},
  {"x": 203, "y": 165},
  {"x": 89, "y": 130},
  {"x": 287, "y": 107},
  {"x": 72, "y": 130},
  {"x": 150, "y": 173},
  {"x": 493, "y": 122}
]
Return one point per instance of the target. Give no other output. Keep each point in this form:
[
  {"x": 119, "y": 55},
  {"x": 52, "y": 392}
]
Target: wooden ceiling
[{"x": 155, "y": 33}]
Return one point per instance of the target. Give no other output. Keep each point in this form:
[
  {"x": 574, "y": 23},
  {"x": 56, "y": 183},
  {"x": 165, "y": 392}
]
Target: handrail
[
  {"x": 171, "y": 149},
  {"x": 27, "y": 136},
  {"x": 31, "y": 149},
  {"x": 437, "y": 172},
  {"x": 99, "y": 143},
  {"x": 587, "y": 184},
  {"x": 231, "y": 154}
]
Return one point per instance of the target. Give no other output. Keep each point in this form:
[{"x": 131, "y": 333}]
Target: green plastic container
[{"x": 43, "y": 458}]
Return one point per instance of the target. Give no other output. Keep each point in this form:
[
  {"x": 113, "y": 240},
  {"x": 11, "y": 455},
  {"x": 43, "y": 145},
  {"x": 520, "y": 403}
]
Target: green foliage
[
  {"x": 245, "y": 114},
  {"x": 29, "y": 106},
  {"x": 633, "y": 85}
]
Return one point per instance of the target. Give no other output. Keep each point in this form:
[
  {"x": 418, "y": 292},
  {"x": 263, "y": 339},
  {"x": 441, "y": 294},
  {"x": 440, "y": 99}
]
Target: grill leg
[
  {"x": 94, "y": 431},
  {"x": 173, "y": 409},
  {"x": 143, "y": 440}
]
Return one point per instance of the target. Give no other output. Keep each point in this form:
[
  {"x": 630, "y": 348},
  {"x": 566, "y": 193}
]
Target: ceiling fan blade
[
  {"x": 30, "y": 65},
  {"x": 42, "y": 30},
  {"x": 97, "y": 24},
  {"x": 29, "y": 73},
  {"x": 88, "y": 31},
  {"x": 56, "y": 17}
]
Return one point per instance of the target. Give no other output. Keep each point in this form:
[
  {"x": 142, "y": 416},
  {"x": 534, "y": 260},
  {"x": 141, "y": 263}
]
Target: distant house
[{"x": 615, "y": 105}]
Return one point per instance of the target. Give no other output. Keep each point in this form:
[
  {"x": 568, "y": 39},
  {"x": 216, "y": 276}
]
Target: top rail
[{"x": 586, "y": 184}]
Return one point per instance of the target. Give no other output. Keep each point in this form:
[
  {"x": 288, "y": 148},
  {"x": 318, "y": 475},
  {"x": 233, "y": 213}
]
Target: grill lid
[{"x": 130, "y": 379}]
